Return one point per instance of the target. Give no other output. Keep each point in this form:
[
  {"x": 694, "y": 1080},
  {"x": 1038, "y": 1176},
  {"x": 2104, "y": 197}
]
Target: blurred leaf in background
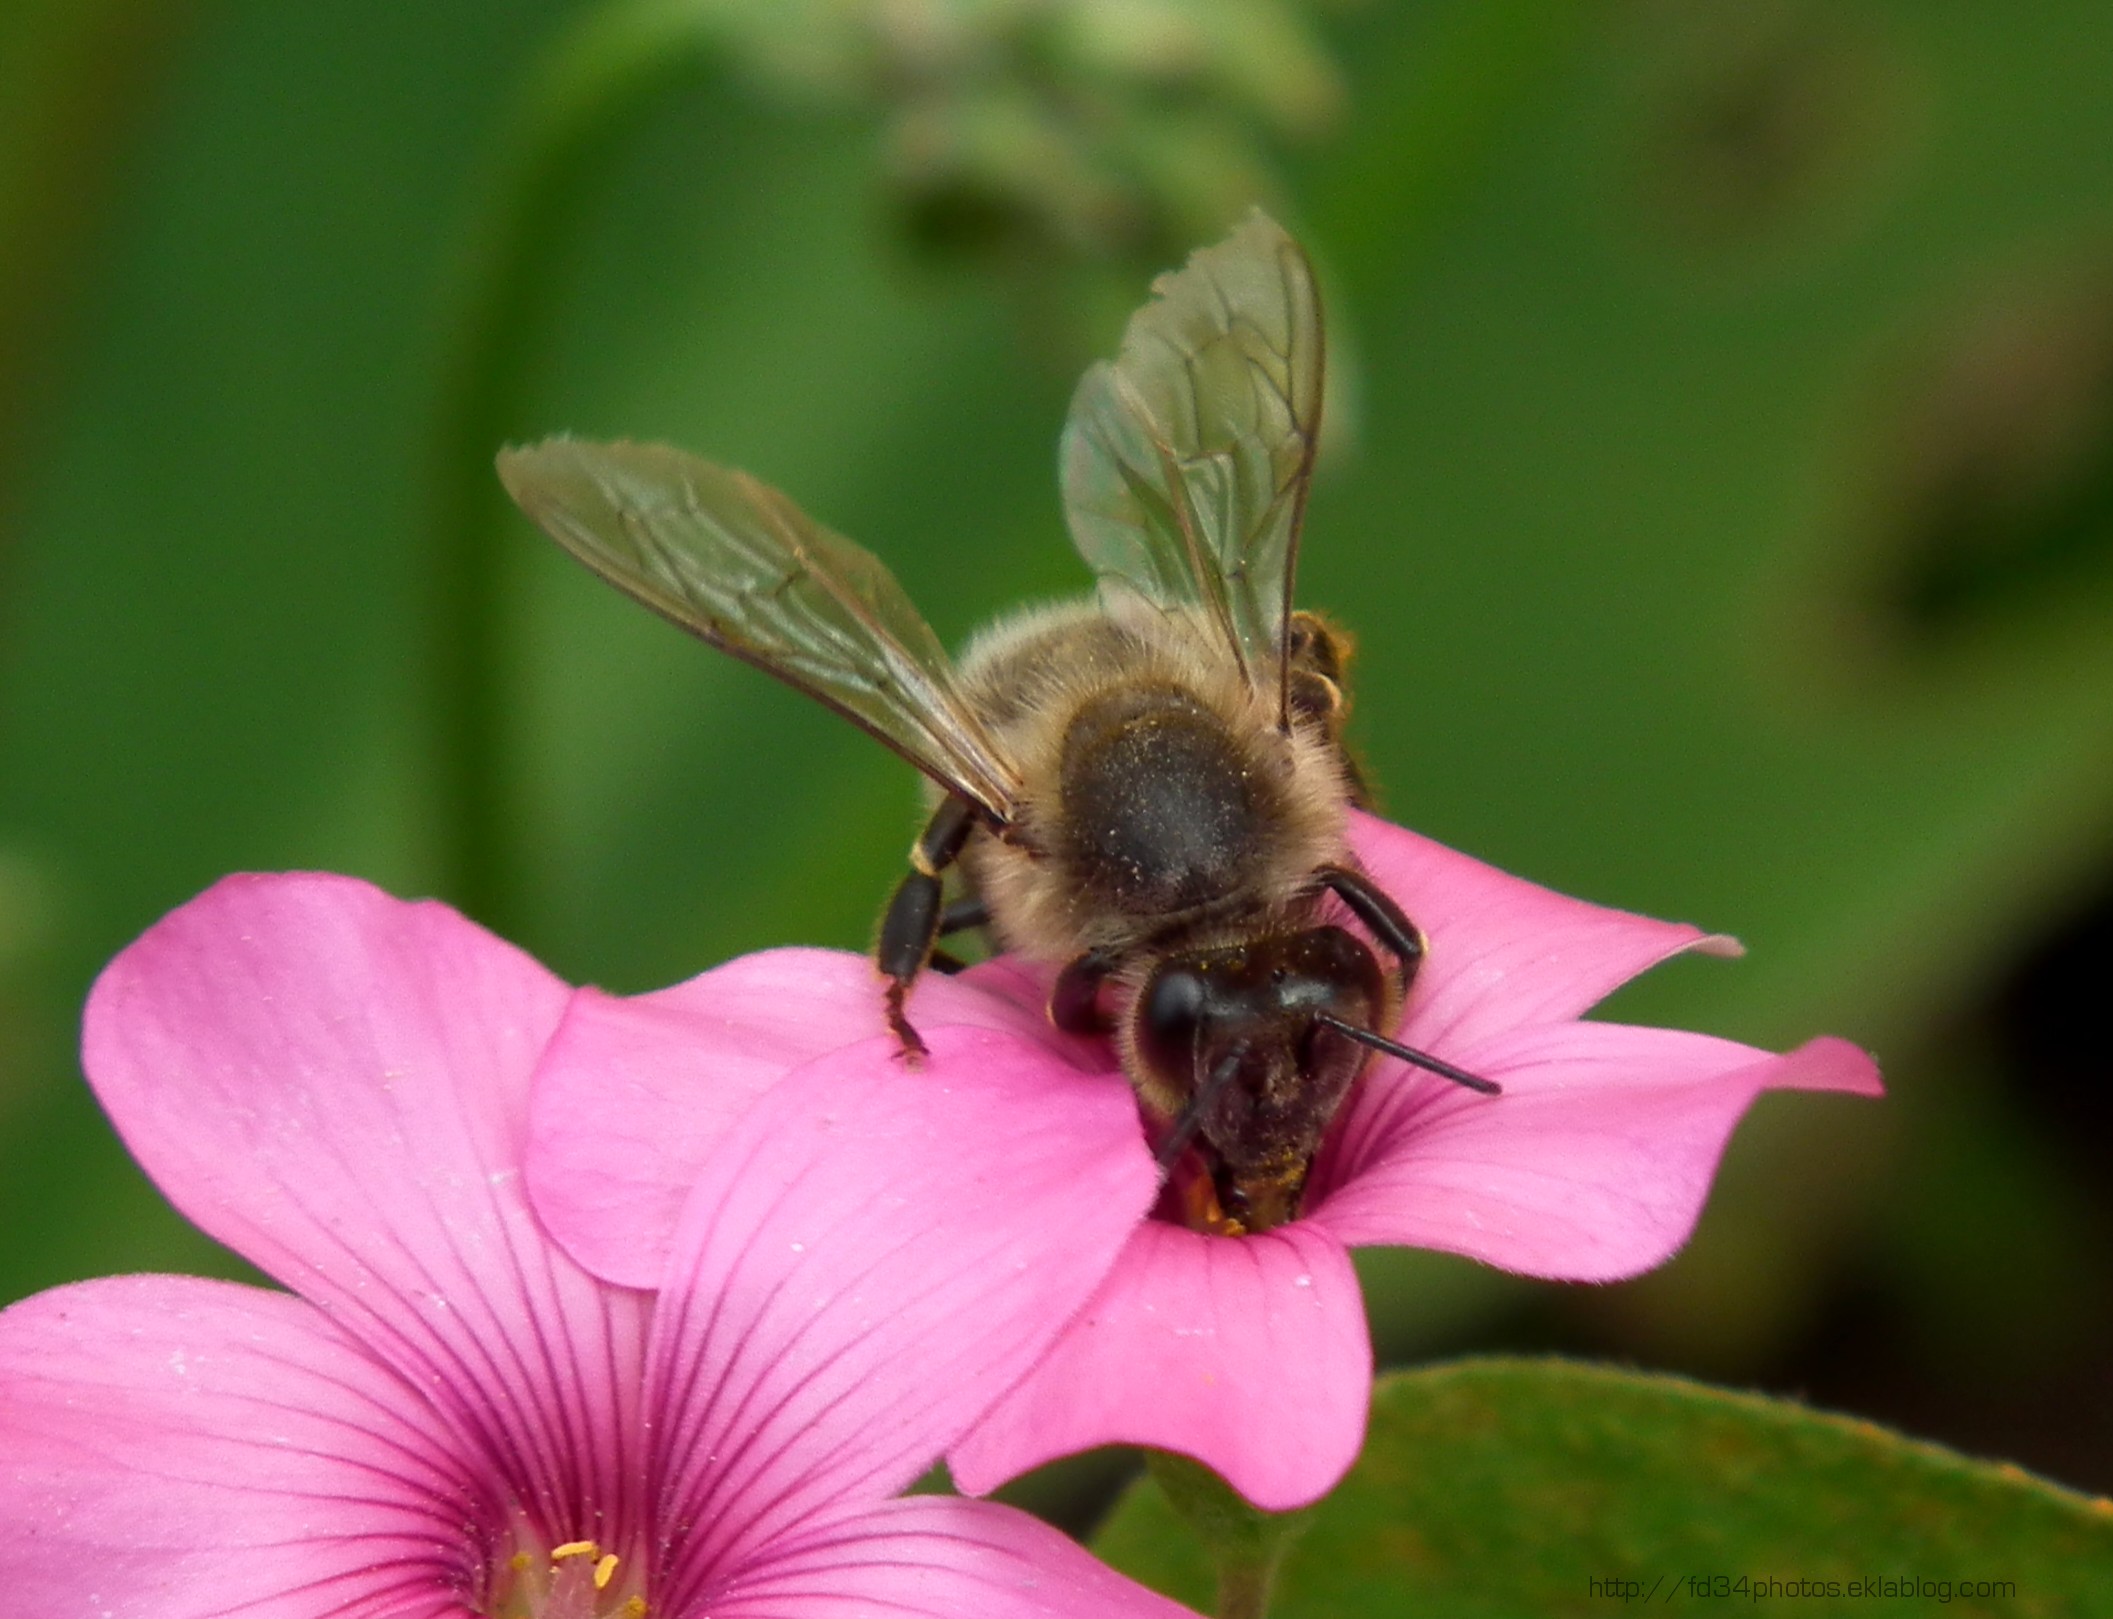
[
  {"x": 1727, "y": 538},
  {"x": 1499, "y": 1487}
]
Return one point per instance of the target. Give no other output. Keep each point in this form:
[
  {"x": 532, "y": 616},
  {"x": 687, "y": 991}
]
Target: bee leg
[
  {"x": 964, "y": 914},
  {"x": 961, "y": 916},
  {"x": 1074, "y": 1001},
  {"x": 1375, "y": 908},
  {"x": 910, "y": 925}
]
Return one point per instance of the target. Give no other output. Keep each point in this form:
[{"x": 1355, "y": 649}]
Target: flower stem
[
  {"x": 607, "y": 69},
  {"x": 1245, "y": 1542}
]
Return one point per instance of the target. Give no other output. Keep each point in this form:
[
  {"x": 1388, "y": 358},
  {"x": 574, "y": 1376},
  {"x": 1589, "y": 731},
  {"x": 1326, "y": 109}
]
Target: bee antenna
[
  {"x": 1409, "y": 1054},
  {"x": 1191, "y": 1119}
]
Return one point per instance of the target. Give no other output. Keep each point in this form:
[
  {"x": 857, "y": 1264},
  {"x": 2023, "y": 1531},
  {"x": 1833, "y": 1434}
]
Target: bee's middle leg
[
  {"x": 962, "y": 916},
  {"x": 912, "y": 923}
]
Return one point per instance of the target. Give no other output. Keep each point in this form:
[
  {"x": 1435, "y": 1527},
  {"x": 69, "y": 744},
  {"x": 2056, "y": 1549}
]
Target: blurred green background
[{"x": 1720, "y": 482}]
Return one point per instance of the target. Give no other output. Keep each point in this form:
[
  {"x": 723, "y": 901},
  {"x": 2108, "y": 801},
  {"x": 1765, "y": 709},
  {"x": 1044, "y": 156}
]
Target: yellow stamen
[
  {"x": 604, "y": 1572},
  {"x": 635, "y": 1608},
  {"x": 574, "y": 1548}
]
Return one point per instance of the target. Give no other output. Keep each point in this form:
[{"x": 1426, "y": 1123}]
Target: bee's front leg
[
  {"x": 911, "y": 924},
  {"x": 1074, "y": 1001},
  {"x": 1386, "y": 921}
]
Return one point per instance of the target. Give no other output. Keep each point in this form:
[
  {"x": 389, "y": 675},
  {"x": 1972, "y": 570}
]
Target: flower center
[{"x": 574, "y": 1580}]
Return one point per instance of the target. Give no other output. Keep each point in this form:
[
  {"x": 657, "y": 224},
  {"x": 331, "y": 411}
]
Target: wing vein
[
  {"x": 1186, "y": 461},
  {"x": 734, "y": 562}
]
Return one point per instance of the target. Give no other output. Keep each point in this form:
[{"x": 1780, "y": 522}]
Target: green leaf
[{"x": 1507, "y": 1487}]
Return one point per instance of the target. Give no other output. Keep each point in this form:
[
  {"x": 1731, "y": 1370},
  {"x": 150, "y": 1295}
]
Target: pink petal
[
  {"x": 1504, "y": 952},
  {"x": 1248, "y": 1353},
  {"x": 178, "y": 1449},
  {"x": 874, "y": 1255},
  {"x": 634, "y": 1093},
  {"x": 1592, "y": 1166},
  {"x": 334, "y": 1084},
  {"x": 932, "y": 1555}
]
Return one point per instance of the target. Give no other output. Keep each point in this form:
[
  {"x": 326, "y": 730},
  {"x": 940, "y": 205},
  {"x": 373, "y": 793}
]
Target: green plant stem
[
  {"x": 571, "y": 114},
  {"x": 1243, "y": 1591},
  {"x": 1246, "y": 1543}
]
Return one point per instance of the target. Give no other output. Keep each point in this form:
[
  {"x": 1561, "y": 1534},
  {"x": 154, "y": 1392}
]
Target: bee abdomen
[{"x": 1161, "y": 805}]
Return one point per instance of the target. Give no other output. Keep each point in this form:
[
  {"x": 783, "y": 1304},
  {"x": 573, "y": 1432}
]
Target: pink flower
[
  {"x": 453, "y": 1418},
  {"x": 1248, "y": 1353}
]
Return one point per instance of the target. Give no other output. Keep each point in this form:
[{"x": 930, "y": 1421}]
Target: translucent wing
[
  {"x": 734, "y": 562},
  {"x": 1186, "y": 461}
]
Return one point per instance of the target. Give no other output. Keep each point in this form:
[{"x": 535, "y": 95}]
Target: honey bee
[{"x": 1147, "y": 790}]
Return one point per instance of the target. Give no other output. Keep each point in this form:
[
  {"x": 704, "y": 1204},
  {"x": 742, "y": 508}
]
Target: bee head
[{"x": 1235, "y": 1037}]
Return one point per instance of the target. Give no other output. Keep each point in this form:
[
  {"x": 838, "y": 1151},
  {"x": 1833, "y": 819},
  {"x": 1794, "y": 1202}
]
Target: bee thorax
[
  {"x": 1160, "y": 795},
  {"x": 1162, "y": 808}
]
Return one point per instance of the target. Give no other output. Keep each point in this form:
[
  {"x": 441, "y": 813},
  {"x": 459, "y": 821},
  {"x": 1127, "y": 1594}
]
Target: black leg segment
[
  {"x": 1385, "y": 920},
  {"x": 963, "y": 915},
  {"x": 1074, "y": 1001},
  {"x": 911, "y": 924}
]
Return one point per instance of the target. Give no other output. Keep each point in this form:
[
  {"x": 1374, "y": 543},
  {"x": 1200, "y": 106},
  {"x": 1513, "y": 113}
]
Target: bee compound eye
[{"x": 1169, "y": 1013}]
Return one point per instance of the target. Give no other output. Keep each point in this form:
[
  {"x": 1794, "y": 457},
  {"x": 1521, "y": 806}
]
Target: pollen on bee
[{"x": 605, "y": 1571}]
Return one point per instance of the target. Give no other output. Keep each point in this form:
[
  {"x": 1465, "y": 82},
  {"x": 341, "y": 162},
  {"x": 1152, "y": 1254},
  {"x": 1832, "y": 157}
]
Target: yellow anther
[
  {"x": 574, "y": 1548},
  {"x": 604, "y": 1572},
  {"x": 519, "y": 1562},
  {"x": 635, "y": 1608}
]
